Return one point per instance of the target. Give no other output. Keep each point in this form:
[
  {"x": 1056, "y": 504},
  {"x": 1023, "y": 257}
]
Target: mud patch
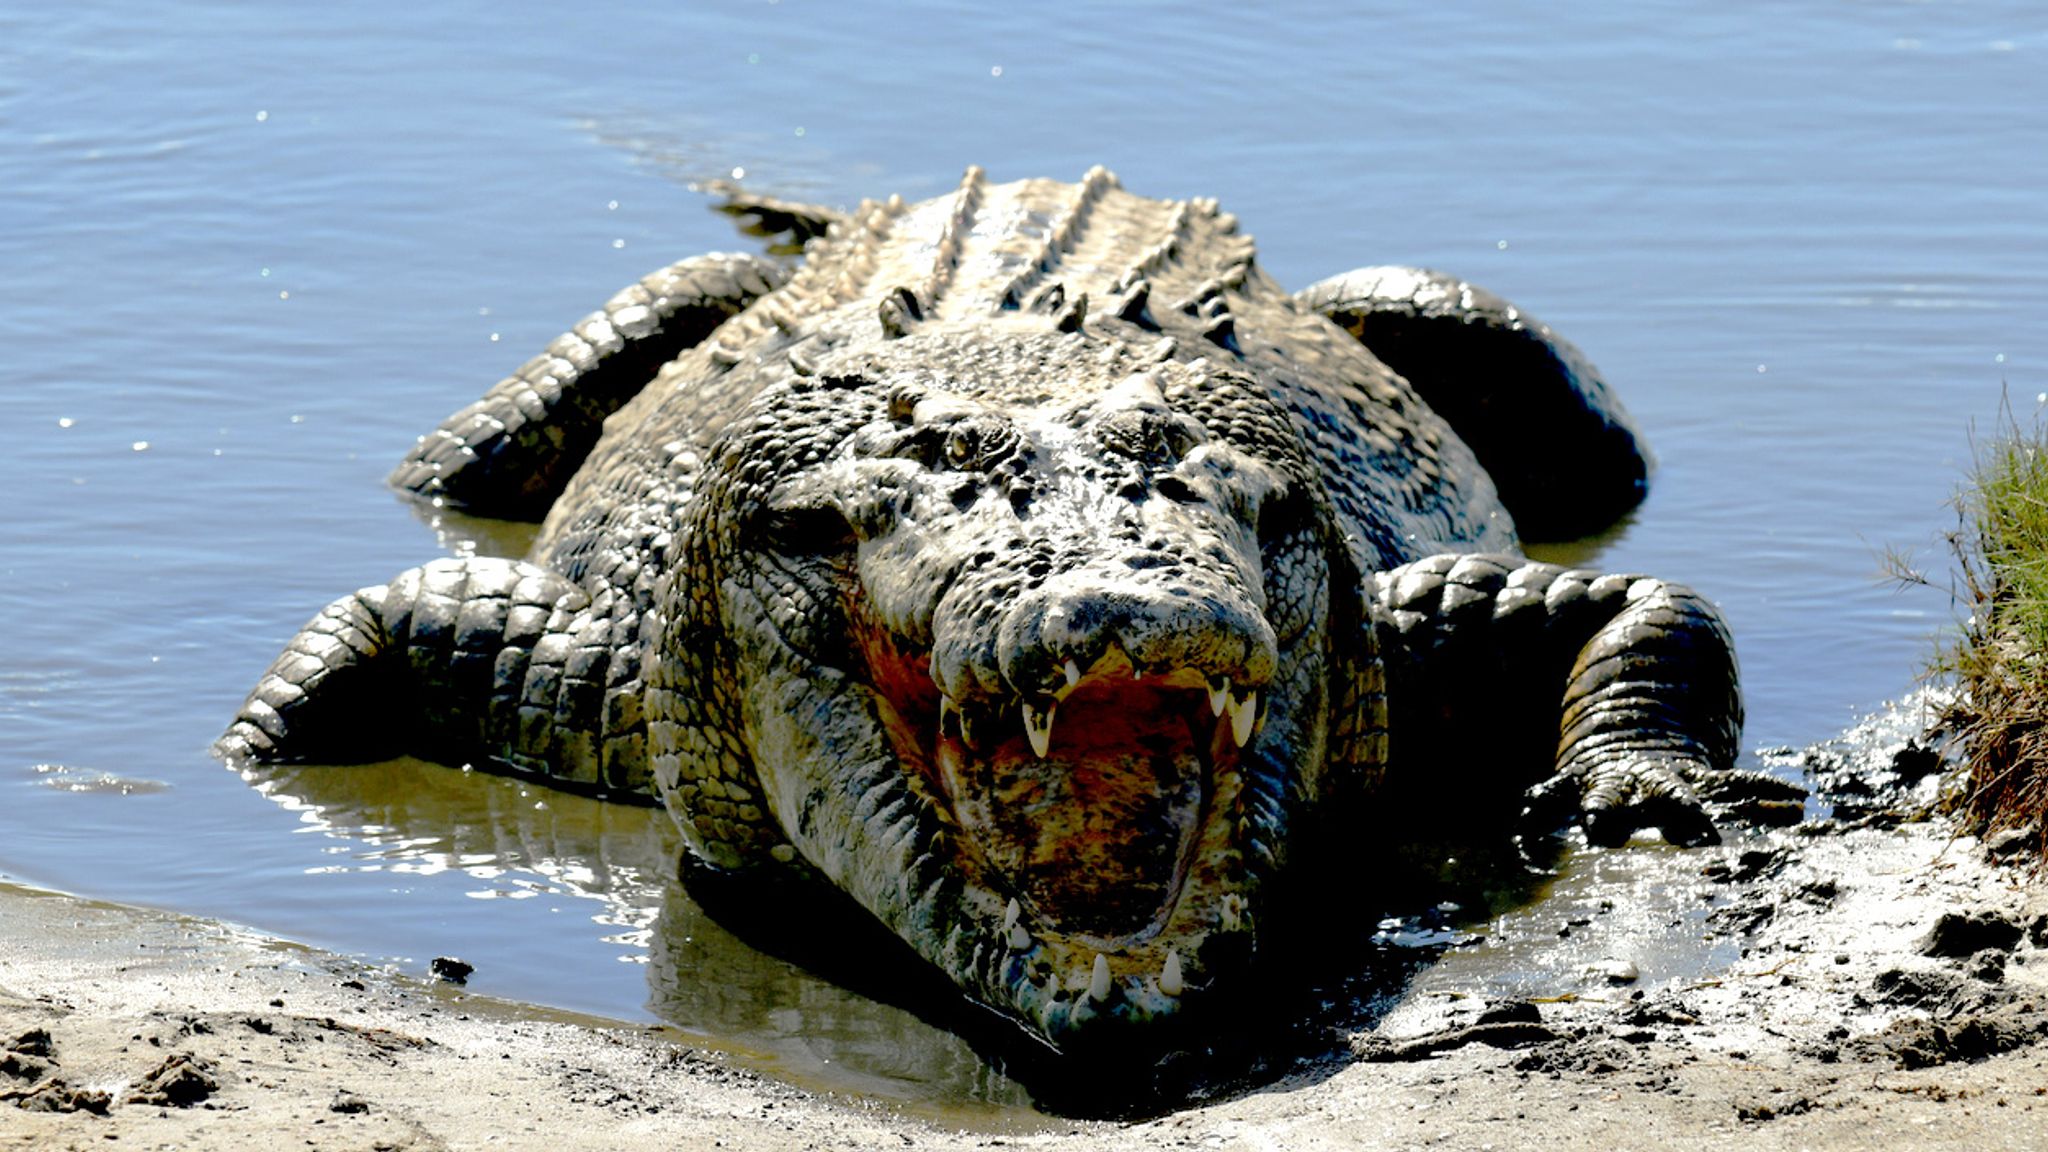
[
  {"x": 1588, "y": 1055},
  {"x": 58, "y": 1096},
  {"x": 1927, "y": 1043},
  {"x": 1968, "y": 933},
  {"x": 181, "y": 1081},
  {"x": 34, "y": 1042}
]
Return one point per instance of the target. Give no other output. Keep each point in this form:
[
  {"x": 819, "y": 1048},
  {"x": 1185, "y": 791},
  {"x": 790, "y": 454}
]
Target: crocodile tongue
[{"x": 1094, "y": 834}]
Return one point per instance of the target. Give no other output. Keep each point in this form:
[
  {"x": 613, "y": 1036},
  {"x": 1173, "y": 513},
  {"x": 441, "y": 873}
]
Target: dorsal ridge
[
  {"x": 1060, "y": 236},
  {"x": 822, "y": 284},
  {"x": 946, "y": 252}
]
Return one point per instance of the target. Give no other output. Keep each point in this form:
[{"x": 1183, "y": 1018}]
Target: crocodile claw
[{"x": 1615, "y": 799}]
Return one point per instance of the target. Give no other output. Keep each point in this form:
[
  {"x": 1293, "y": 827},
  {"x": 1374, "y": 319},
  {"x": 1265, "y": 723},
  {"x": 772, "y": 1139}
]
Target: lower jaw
[{"x": 1197, "y": 952}]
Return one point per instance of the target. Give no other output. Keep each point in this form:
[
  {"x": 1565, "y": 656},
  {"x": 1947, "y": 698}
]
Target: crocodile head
[{"x": 1032, "y": 647}]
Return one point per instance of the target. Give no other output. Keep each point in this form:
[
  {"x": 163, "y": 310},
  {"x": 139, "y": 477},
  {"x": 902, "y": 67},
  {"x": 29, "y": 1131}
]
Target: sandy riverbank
[{"x": 1835, "y": 1030}]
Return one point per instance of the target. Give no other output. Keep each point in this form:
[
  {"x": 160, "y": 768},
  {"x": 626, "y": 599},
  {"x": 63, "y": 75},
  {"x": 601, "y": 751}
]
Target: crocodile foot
[{"x": 1614, "y": 799}]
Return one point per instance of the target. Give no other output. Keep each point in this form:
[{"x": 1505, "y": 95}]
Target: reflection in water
[
  {"x": 460, "y": 534},
  {"x": 523, "y": 841},
  {"x": 798, "y": 983}
]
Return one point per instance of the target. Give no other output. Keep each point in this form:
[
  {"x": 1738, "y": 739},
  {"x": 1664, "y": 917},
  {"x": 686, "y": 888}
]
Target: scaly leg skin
[
  {"x": 1558, "y": 444},
  {"x": 462, "y": 660},
  {"x": 1624, "y": 685},
  {"x": 510, "y": 453}
]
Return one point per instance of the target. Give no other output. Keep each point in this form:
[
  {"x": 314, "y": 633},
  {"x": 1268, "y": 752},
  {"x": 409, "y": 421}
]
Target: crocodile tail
[{"x": 473, "y": 660}]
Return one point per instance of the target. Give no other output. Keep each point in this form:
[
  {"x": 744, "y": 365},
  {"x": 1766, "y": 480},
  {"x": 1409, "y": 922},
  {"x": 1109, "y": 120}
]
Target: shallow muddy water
[{"x": 250, "y": 254}]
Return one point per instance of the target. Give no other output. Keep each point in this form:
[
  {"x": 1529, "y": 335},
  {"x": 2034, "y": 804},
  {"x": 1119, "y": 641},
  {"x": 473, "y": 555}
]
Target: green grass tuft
[{"x": 2000, "y": 659}]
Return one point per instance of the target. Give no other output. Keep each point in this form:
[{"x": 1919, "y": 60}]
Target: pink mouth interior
[{"x": 1095, "y": 836}]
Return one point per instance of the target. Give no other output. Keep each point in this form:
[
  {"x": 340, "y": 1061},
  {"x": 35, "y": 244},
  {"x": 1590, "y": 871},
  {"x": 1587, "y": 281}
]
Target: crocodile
[{"x": 1030, "y": 567}]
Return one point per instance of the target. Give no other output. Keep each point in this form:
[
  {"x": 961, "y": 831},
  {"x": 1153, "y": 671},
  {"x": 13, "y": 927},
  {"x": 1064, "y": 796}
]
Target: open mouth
[{"x": 1088, "y": 805}]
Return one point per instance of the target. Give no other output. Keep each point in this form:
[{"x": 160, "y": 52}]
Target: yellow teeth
[
  {"x": 1219, "y": 694},
  {"x": 1244, "y": 714}
]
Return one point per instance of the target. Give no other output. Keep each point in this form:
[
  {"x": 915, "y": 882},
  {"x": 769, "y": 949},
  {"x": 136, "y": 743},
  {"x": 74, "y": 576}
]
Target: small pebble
[{"x": 1616, "y": 971}]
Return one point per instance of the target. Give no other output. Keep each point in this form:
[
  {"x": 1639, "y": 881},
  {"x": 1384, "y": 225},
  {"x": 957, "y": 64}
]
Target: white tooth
[
  {"x": 1169, "y": 973},
  {"x": 946, "y": 708},
  {"x": 1098, "y": 980},
  {"x": 1038, "y": 726},
  {"x": 1020, "y": 939},
  {"x": 1012, "y": 914},
  {"x": 950, "y": 768},
  {"x": 1219, "y": 693},
  {"x": 1243, "y": 714},
  {"x": 1073, "y": 672}
]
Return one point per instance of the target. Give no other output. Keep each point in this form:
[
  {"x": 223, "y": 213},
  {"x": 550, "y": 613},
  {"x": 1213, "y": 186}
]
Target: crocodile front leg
[
  {"x": 510, "y": 453},
  {"x": 1623, "y": 687},
  {"x": 465, "y": 660}
]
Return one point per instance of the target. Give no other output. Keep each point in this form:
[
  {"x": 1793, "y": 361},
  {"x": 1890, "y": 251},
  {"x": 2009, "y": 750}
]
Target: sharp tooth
[
  {"x": 1098, "y": 980},
  {"x": 1073, "y": 672},
  {"x": 946, "y": 708},
  {"x": 961, "y": 718},
  {"x": 1169, "y": 973},
  {"x": 1020, "y": 939},
  {"x": 948, "y": 760},
  {"x": 1038, "y": 726},
  {"x": 1219, "y": 694},
  {"x": 1243, "y": 714},
  {"x": 1012, "y": 914}
]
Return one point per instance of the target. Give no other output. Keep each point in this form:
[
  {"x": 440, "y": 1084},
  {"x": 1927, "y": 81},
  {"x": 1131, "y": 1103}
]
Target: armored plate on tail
[{"x": 1029, "y": 566}]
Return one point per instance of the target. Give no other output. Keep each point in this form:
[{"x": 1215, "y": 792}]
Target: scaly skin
[{"x": 1032, "y": 568}]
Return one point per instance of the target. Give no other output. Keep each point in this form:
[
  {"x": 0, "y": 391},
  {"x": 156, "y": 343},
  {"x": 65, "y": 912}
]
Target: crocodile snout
[{"x": 1160, "y": 620}]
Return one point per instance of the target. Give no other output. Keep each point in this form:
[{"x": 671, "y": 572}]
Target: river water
[{"x": 250, "y": 252}]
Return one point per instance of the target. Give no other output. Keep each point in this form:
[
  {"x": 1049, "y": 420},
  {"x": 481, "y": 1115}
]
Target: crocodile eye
[
  {"x": 976, "y": 445},
  {"x": 962, "y": 447}
]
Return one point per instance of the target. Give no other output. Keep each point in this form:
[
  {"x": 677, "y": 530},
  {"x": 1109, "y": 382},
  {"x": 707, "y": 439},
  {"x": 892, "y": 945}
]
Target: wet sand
[{"x": 1831, "y": 1027}]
